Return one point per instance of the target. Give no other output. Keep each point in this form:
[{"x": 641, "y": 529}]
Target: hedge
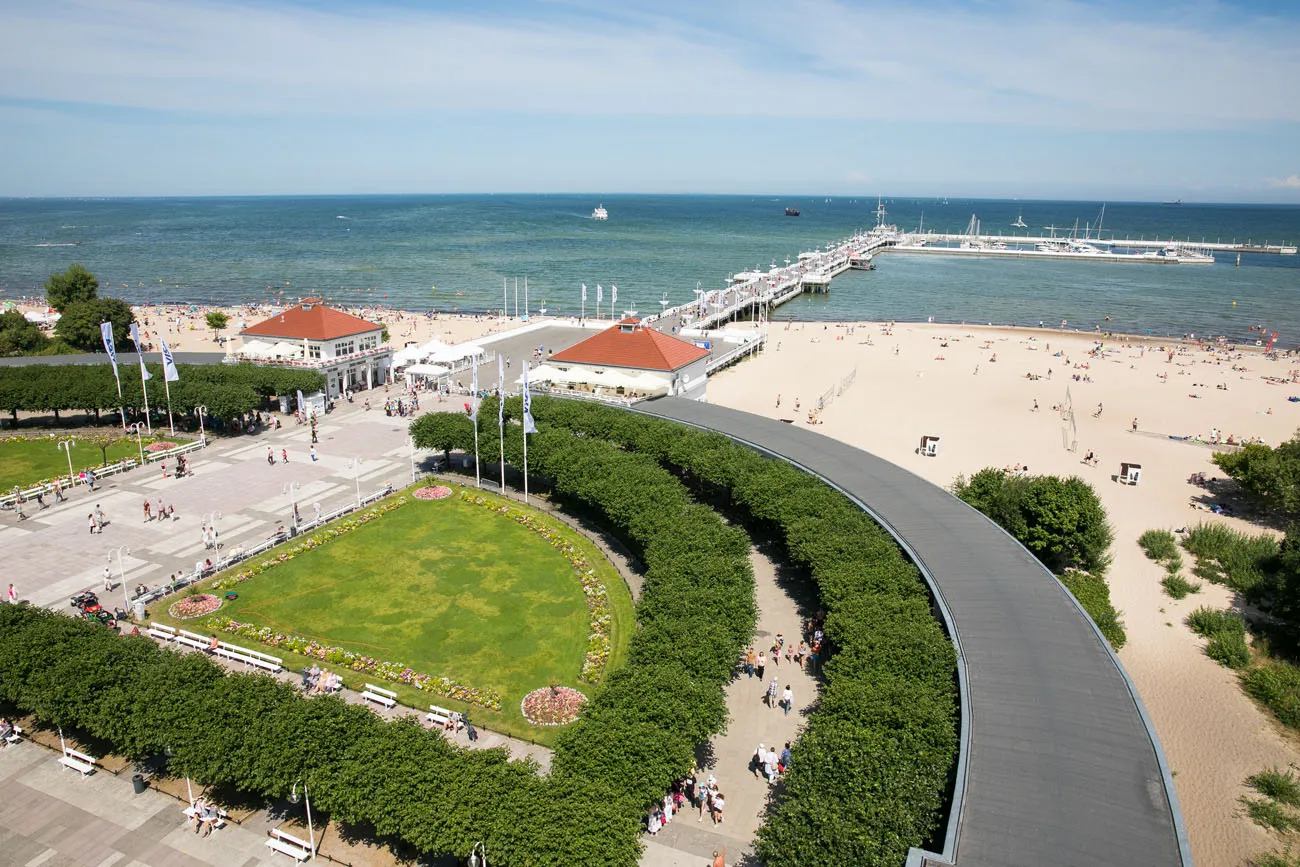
[
  {"x": 227, "y": 390},
  {"x": 873, "y": 767}
]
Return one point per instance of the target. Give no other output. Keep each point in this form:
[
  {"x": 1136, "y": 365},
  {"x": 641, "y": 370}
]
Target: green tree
[
  {"x": 217, "y": 321},
  {"x": 20, "y": 337},
  {"x": 72, "y": 286},
  {"x": 79, "y": 325},
  {"x": 1270, "y": 475}
]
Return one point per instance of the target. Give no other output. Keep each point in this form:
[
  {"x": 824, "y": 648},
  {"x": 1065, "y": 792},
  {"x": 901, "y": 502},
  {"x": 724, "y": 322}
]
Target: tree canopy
[
  {"x": 20, "y": 337},
  {"x": 1270, "y": 475},
  {"x": 72, "y": 286},
  {"x": 79, "y": 325}
]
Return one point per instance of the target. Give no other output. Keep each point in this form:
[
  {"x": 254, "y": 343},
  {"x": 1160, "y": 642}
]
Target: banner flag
[
  {"x": 600, "y": 294},
  {"x": 613, "y": 294},
  {"x": 473, "y": 416},
  {"x": 529, "y": 426},
  {"x": 106, "y": 332},
  {"x": 135, "y": 338},
  {"x": 301, "y": 403},
  {"x": 501, "y": 397},
  {"x": 584, "y": 291},
  {"x": 170, "y": 373}
]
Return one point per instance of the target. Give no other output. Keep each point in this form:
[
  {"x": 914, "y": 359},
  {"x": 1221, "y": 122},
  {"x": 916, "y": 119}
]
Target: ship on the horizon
[
  {"x": 600, "y": 213},
  {"x": 792, "y": 212},
  {"x": 1175, "y": 202}
]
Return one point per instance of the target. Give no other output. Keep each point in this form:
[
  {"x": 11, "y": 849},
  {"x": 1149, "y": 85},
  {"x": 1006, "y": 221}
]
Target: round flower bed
[
  {"x": 194, "y": 606},
  {"x": 432, "y": 492},
  {"x": 552, "y": 705},
  {"x": 159, "y": 447}
]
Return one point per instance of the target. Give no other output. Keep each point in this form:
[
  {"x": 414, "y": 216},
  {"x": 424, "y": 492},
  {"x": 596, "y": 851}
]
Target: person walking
[
  {"x": 13, "y": 595},
  {"x": 759, "y": 665},
  {"x": 749, "y": 663},
  {"x": 284, "y": 455},
  {"x": 1135, "y": 424},
  {"x": 99, "y": 519},
  {"x": 91, "y": 518},
  {"x": 313, "y": 451},
  {"x": 58, "y": 491},
  {"x": 773, "y": 690},
  {"x": 787, "y": 699},
  {"x": 147, "y": 516},
  {"x": 108, "y": 579},
  {"x": 270, "y": 456}
]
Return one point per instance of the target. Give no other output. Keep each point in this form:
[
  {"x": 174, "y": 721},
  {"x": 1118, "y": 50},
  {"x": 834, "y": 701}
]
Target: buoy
[{"x": 1234, "y": 303}]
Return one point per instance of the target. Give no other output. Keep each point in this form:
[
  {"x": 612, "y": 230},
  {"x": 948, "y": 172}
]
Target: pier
[{"x": 1121, "y": 243}]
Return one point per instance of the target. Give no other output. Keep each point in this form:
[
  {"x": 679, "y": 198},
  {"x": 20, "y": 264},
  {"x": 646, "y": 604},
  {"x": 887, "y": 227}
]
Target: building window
[
  {"x": 345, "y": 347},
  {"x": 313, "y": 350}
]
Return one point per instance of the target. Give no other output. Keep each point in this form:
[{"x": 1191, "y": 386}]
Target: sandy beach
[{"x": 942, "y": 380}]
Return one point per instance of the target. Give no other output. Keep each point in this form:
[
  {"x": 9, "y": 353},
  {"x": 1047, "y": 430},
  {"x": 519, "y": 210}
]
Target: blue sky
[{"x": 1028, "y": 98}]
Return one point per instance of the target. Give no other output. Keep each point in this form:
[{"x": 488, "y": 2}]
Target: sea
[{"x": 466, "y": 253}]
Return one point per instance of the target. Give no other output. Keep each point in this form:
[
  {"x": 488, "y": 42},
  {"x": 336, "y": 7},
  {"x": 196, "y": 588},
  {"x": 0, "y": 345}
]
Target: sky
[{"x": 995, "y": 98}]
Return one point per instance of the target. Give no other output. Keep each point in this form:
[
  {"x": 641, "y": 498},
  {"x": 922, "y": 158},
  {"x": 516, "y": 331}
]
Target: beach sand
[{"x": 907, "y": 384}]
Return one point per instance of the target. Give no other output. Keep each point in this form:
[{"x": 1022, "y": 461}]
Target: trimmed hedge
[
  {"x": 871, "y": 771},
  {"x": 227, "y": 390}
]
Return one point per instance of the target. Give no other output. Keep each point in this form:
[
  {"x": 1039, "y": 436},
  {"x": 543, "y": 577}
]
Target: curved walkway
[{"x": 1059, "y": 763}]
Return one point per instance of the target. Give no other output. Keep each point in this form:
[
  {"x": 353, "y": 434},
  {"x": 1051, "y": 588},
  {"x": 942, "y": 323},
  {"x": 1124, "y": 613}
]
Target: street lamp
[
  {"x": 137, "y": 427},
  {"x": 201, "y": 411},
  {"x": 355, "y": 464},
  {"x": 66, "y": 446},
  {"x": 478, "y": 856},
  {"x": 413, "y": 479},
  {"x": 311, "y": 831},
  {"x": 291, "y": 491},
  {"x": 121, "y": 571}
]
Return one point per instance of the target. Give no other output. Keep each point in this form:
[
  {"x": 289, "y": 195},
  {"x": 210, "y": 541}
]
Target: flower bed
[
  {"x": 443, "y": 687},
  {"x": 194, "y": 606},
  {"x": 552, "y": 705},
  {"x": 314, "y": 541},
  {"x": 160, "y": 446},
  {"x": 598, "y": 643},
  {"x": 432, "y": 492}
]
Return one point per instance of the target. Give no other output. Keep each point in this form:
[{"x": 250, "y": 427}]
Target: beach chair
[
  {"x": 1129, "y": 474},
  {"x": 929, "y": 447}
]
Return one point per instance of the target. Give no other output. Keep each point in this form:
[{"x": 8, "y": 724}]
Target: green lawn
[
  {"x": 26, "y": 462},
  {"x": 448, "y": 588}
]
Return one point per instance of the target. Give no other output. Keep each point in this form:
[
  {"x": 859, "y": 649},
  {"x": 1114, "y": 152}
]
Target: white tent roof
[
  {"x": 408, "y": 354},
  {"x": 433, "y": 346},
  {"x": 285, "y": 349},
  {"x": 646, "y": 380},
  {"x": 426, "y": 370},
  {"x": 544, "y": 373},
  {"x": 456, "y": 352},
  {"x": 255, "y": 347}
]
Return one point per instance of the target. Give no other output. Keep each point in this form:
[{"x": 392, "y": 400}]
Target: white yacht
[
  {"x": 600, "y": 213},
  {"x": 1020, "y": 221}
]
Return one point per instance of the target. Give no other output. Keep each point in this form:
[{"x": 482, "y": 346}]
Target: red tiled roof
[
  {"x": 640, "y": 348},
  {"x": 311, "y": 322}
]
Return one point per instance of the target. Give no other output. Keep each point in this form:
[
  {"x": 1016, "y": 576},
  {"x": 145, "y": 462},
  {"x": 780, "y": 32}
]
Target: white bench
[
  {"x": 379, "y": 695},
  {"x": 220, "y": 822},
  {"x": 191, "y": 639},
  {"x": 254, "y": 657},
  {"x": 14, "y": 736},
  {"x": 439, "y": 716},
  {"x": 162, "y": 632},
  {"x": 295, "y": 847},
  {"x": 78, "y": 761},
  {"x": 225, "y": 651}
]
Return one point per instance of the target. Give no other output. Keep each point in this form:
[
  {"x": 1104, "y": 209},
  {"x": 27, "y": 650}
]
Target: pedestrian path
[{"x": 686, "y": 841}]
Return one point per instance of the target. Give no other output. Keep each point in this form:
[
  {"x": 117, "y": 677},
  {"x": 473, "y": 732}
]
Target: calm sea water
[{"x": 395, "y": 250}]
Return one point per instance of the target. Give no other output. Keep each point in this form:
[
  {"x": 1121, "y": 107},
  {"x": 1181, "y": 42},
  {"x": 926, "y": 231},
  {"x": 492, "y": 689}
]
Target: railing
[
  {"x": 8, "y": 500},
  {"x": 154, "y": 457},
  {"x": 749, "y": 347}
]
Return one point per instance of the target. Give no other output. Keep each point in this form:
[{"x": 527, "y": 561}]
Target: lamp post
[
  {"x": 291, "y": 491},
  {"x": 355, "y": 464},
  {"x": 201, "y": 411},
  {"x": 412, "y": 460},
  {"x": 478, "y": 855},
  {"x": 121, "y": 571},
  {"x": 66, "y": 446},
  {"x": 311, "y": 831},
  {"x": 138, "y": 427}
]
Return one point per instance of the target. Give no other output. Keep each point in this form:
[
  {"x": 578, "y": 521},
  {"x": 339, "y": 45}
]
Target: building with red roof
[
  {"x": 631, "y": 358},
  {"x": 347, "y": 349}
]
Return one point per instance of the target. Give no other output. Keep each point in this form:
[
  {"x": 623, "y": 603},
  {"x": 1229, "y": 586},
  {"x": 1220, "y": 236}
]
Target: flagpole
[
  {"x": 167, "y": 385},
  {"x": 516, "y": 297},
  {"x": 505, "y": 297},
  {"x": 148, "y": 425},
  {"x": 525, "y": 296},
  {"x": 478, "y": 480},
  {"x": 501, "y": 420},
  {"x": 121, "y": 403},
  {"x": 523, "y": 394}
]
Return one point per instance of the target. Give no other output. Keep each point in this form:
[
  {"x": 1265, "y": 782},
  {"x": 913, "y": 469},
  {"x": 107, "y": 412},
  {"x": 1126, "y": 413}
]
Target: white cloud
[
  {"x": 1057, "y": 63},
  {"x": 1291, "y": 182}
]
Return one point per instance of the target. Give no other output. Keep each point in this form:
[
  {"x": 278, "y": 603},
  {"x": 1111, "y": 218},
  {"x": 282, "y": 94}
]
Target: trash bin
[
  {"x": 138, "y": 608},
  {"x": 137, "y": 783}
]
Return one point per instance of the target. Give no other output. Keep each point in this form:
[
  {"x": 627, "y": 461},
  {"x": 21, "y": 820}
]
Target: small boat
[
  {"x": 600, "y": 213},
  {"x": 1020, "y": 221},
  {"x": 1175, "y": 202},
  {"x": 792, "y": 212}
]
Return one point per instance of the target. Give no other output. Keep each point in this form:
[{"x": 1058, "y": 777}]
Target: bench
[
  {"x": 78, "y": 761},
  {"x": 379, "y": 695},
  {"x": 295, "y": 847},
  {"x": 439, "y": 716},
  {"x": 220, "y": 822},
  {"x": 162, "y": 632},
  {"x": 255, "y": 657},
  {"x": 14, "y": 736},
  {"x": 191, "y": 639}
]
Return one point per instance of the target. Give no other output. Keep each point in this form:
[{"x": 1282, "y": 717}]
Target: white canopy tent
[
  {"x": 255, "y": 348},
  {"x": 285, "y": 349},
  {"x": 431, "y": 371},
  {"x": 408, "y": 355},
  {"x": 543, "y": 373}
]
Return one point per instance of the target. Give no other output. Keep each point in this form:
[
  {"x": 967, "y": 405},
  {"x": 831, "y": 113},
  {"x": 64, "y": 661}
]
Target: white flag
[
  {"x": 170, "y": 373},
  {"x": 600, "y": 294},
  {"x": 106, "y": 332},
  {"x": 584, "y": 291},
  {"x": 301, "y": 403},
  {"x": 135, "y": 338},
  {"x": 529, "y": 427},
  {"x": 473, "y": 416},
  {"x": 613, "y": 294},
  {"x": 501, "y": 401}
]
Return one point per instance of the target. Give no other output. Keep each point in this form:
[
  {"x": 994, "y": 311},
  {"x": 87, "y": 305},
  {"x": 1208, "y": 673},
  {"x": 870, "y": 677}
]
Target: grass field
[
  {"x": 26, "y": 462},
  {"x": 448, "y": 588}
]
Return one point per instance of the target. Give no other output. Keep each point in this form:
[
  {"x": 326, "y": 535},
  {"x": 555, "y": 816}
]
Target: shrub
[
  {"x": 1179, "y": 587},
  {"x": 1281, "y": 786},
  {"x": 1094, "y": 595},
  {"x": 1285, "y": 858},
  {"x": 1229, "y": 648},
  {"x": 1159, "y": 545},
  {"x": 1270, "y": 814},
  {"x": 1270, "y": 475},
  {"x": 1276, "y": 685},
  {"x": 1208, "y": 621}
]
